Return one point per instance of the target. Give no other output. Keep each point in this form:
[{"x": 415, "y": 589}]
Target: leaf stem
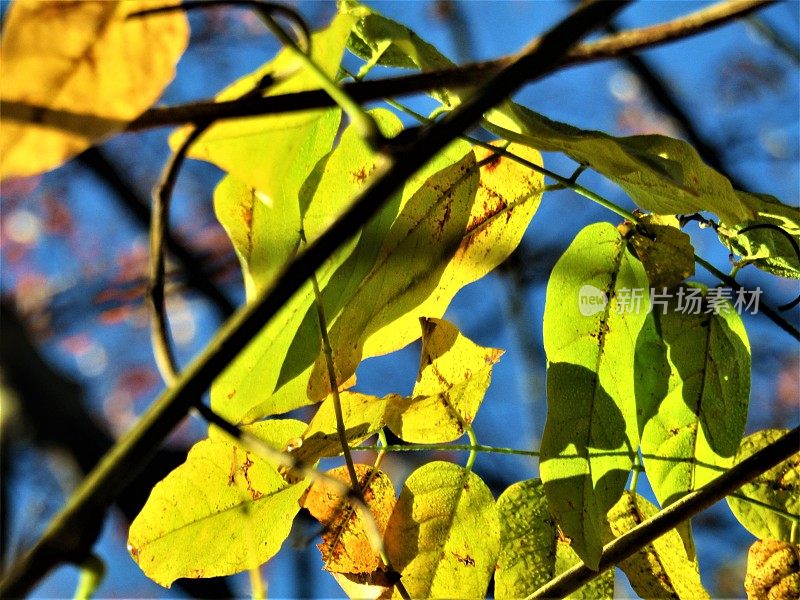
[
  {"x": 473, "y": 450},
  {"x": 327, "y": 351},
  {"x": 448, "y": 448},
  {"x": 258, "y": 590},
  {"x": 637, "y": 468}
]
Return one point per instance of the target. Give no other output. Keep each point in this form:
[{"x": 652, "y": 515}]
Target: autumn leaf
[
  {"x": 346, "y": 545},
  {"x": 77, "y": 72},
  {"x": 453, "y": 377}
]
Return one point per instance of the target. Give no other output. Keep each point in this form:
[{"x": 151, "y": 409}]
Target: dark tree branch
[
  {"x": 628, "y": 544},
  {"x": 466, "y": 76},
  {"x": 134, "y": 451}
]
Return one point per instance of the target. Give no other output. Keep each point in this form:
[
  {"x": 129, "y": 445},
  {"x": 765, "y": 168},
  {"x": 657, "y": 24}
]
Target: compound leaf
[
  {"x": 779, "y": 488},
  {"x": 695, "y": 430},
  {"x": 223, "y": 511},
  {"x": 444, "y": 535},
  {"x": 662, "y": 569},
  {"x": 453, "y": 377},
  {"x": 62, "y": 90},
  {"x": 594, "y": 381}
]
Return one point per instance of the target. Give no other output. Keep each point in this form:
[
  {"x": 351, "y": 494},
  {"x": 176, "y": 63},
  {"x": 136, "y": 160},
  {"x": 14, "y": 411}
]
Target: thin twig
[
  {"x": 327, "y": 351},
  {"x": 132, "y": 452},
  {"x": 646, "y": 532},
  {"x": 613, "y": 46},
  {"x": 159, "y": 227}
]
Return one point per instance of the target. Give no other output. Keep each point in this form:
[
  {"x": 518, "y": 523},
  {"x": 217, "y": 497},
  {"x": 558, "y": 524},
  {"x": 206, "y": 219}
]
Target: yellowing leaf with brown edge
[
  {"x": 661, "y": 569},
  {"x": 452, "y": 232},
  {"x": 77, "y": 72},
  {"x": 444, "y": 534},
  {"x": 453, "y": 377},
  {"x": 346, "y": 546}
]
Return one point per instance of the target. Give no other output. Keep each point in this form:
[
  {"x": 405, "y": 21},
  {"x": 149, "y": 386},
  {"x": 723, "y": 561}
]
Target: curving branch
[
  {"x": 67, "y": 539},
  {"x": 637, "y": 538}
]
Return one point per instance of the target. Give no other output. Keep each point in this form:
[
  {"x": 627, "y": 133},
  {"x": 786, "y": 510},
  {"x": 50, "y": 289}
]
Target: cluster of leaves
[{"x": 671, "y": 385}]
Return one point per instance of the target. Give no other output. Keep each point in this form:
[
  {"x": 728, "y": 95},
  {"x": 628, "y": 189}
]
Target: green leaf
[
  {"x": 454, "y": 375},
  {"x": 595, "y": 379},
  {"x": 363, "y": 416},
  {"x": 223, "y": 511},
  {"x": 405, "y": 49},
  {"x": 532, "y": 552},
  {"x": 264, "y": 226},
  {"x": 265, "y": 237},
  {"x": 767, "y": 249},
  {"x": 665, "y": 251},
  {"x": 694, "y": 431},
  {"x": 661, "y": 174},
  {"x": 779, "y": 488},
  {"x": 255, "y": 149},
  {"x": 661, "y": 569},
  {"x": 453, "y": 231},
  {"x": 444, "y": 535}
]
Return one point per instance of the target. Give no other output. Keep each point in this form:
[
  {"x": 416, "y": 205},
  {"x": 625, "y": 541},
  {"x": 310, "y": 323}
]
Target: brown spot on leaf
[
  {"x": 465, "y": 559},
  {"x": 493, "y": 164}
]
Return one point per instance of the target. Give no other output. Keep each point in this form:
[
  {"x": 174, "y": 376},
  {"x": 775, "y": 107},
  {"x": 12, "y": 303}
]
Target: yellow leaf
[
  {"x": 346, "y": 547},
  {"x": 444, "y": 533},
  {"x": 363, "y": 416},
  {"x": 255, "y": 149},
  {"x": 454, "y": 374},
  {"x": 457, "y": 228},
  {"x": 76, "y": 72},
  {"x": 773, "y": 571}
]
